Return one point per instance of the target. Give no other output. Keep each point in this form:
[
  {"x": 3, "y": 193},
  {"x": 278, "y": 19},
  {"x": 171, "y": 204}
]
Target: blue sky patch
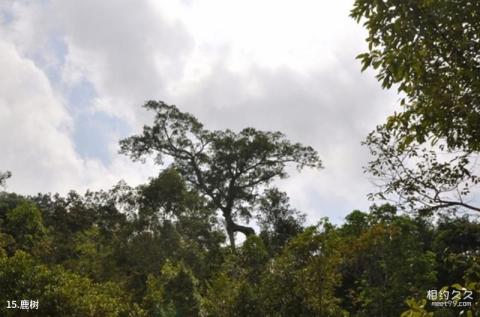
[{"x": 94, "y": 131}]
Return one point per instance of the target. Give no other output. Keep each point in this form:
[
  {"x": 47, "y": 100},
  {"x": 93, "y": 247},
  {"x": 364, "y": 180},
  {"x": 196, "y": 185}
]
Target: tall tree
[{"x": 230, "y": 169}]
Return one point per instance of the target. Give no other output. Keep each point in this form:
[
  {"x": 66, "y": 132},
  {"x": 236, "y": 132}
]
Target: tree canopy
[
  {"x": 425, "y": 156},
  {"x": 430, "y": 50},
  {"x": 230, "y": 169},
  {"x": 156, "y": 250}
]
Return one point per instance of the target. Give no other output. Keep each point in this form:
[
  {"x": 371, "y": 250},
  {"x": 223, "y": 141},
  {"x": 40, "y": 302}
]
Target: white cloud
[
  {"x": 34, "y": 125},
  {"x": 275, "y": 65},
  {"x": 36, "y": 135},
  {"x": 126, "y": 50}
]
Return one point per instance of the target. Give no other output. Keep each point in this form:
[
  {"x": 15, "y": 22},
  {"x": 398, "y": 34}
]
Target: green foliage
[
  {"x": 420, "y": 308},
  {"x": 277, "y": 220},
  {"x": 58, "y": 292},
  {"x": 181, "y": 289},
  {"x": 302, "y": 280},
  {"x": 154, "y": 299},
  {"x": 25, "y": 225},
  {"x": 236, "y": 290},
  {"x": 385, "y": 262},
  {"x": 174, "y": 293},
  {"x": 8, "y": 201},
  {"x": 156, "y": 250},
  {"x": 416, "y": 309},
  {"x": 458, "y": 258},
  {"x": 93, "y": 255},
  {"x": 430, "y": 50}
]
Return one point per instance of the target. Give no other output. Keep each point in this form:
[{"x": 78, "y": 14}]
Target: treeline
[{"x": 160, "y": 250}]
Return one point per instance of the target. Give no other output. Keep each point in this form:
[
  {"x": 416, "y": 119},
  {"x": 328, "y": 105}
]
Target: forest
[{"x": 212, "y": 234}]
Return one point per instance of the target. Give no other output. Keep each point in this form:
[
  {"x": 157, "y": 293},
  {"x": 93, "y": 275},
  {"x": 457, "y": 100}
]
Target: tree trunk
[{"x": 232, "y": 227}]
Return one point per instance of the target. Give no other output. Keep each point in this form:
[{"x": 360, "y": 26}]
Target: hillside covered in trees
[
  {"x": 213, "y": 235},
  {"x": 160, "y": 250}
]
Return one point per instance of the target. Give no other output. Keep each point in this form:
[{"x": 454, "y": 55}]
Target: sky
[{"x": 74, "y": 75}]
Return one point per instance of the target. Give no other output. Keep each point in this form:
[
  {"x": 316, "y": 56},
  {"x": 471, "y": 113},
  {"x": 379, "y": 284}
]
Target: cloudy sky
[{"x": 75, "y": 73}]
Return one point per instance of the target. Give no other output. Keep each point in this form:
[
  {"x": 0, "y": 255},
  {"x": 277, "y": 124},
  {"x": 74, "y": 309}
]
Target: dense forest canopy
[
  {"x": 168, "y": 247},
  {"x": 159, "y": 250}
]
